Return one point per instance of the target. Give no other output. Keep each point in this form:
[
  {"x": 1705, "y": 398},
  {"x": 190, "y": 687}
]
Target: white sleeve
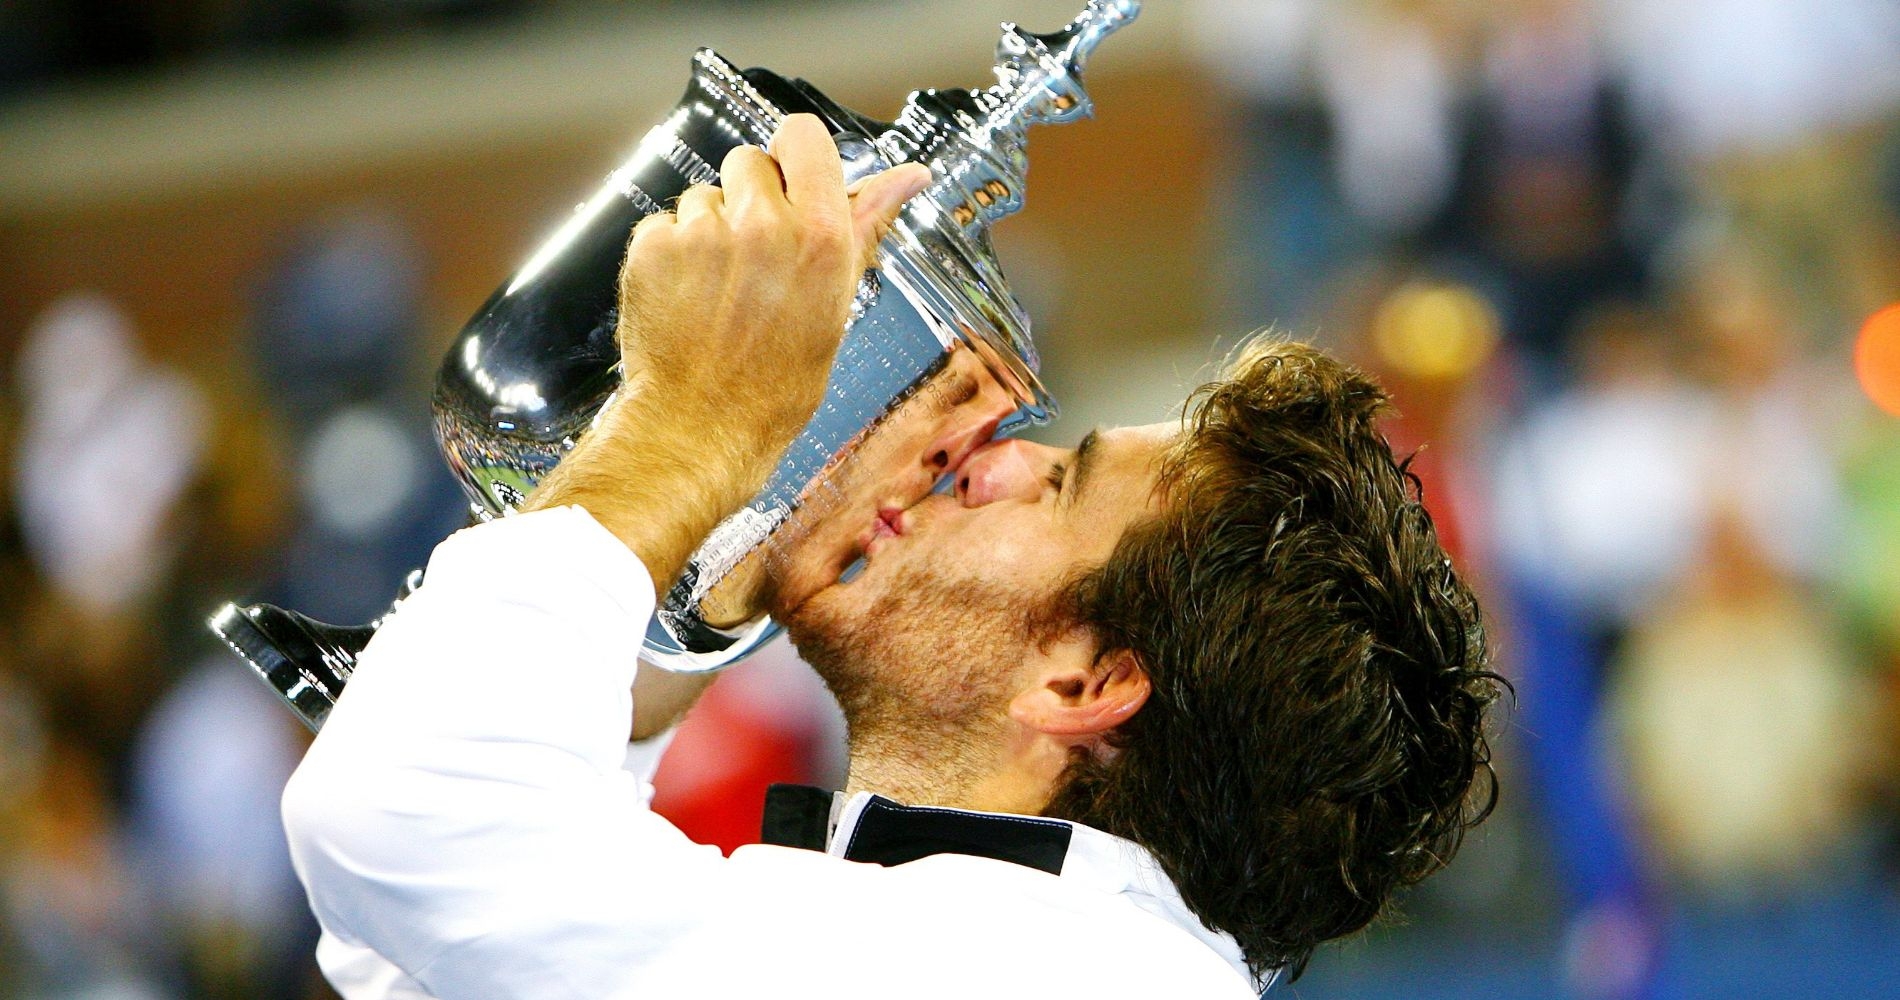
[{"x": 464, "y": 812}]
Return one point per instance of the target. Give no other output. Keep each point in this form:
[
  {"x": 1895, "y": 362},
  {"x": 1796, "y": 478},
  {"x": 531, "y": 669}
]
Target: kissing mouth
[{"x": 889, "y": 523}]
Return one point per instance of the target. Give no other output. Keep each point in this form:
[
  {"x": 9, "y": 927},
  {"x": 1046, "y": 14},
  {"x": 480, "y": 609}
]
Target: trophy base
[{"x": 307, "y": 662}]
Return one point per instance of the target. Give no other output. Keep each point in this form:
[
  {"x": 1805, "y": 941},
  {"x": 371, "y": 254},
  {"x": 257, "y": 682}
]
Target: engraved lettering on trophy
[
  {"x": 691, "y": 165},
  {"x": 624, "y": 182}
]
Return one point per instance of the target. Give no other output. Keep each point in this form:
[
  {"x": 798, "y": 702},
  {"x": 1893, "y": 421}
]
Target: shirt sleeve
[{"x": 466, "y": 812}]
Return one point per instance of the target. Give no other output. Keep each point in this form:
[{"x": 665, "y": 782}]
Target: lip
[{"x": 888, "y": 524}]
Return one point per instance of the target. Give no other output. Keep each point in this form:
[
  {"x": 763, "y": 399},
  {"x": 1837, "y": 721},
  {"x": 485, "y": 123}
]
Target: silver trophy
[{"x": 936, "y": 348}]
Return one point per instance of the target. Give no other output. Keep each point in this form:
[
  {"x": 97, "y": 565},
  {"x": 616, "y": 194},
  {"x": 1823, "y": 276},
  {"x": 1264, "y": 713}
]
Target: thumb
[{"x": 876, "y": 200}]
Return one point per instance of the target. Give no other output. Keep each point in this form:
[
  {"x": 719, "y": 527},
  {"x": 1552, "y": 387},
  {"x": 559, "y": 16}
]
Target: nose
[{"x": 1004, "y": 470}]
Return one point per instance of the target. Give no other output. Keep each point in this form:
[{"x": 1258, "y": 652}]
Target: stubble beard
[{"x": 924, "y": 676}]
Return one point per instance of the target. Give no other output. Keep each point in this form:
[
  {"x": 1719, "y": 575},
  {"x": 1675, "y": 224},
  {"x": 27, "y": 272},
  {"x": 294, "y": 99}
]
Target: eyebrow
[{"x": 1084, "y": 460}]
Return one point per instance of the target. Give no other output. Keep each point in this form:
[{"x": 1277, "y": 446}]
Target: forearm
[
  {"x": 661, "y": 698},
  {"x": 656, "y": 478},
  {"x": 660, "y": 489}
]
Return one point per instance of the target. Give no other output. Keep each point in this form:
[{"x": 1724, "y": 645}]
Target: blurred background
[{"x": 1621, "y": 262}]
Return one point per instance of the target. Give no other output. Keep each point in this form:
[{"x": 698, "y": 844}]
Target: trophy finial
[
  {"x": 977, "y": 141},
  {"x": 1055, "y": 60}
]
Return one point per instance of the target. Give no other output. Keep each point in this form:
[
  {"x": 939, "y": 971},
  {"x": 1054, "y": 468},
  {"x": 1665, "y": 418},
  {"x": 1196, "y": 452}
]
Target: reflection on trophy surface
[{"x": 888, "y": 466}]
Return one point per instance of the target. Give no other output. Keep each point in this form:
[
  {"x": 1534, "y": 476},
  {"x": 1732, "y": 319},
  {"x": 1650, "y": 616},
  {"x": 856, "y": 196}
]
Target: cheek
[{"x": 1008, "y": 557}]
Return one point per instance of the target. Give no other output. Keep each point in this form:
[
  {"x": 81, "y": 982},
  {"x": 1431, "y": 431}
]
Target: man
[{"x": 1152, "y": 716}]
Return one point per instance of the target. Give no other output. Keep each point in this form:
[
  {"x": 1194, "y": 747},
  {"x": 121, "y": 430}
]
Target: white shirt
[{"x": 465, "y": 827}]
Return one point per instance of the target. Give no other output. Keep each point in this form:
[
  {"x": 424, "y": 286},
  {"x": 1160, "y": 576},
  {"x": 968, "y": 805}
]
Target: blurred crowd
[
  {"x": 49, "y": 42},
  {"x": 1611, "y": 256},
  {"x": 140, "y": 850}
]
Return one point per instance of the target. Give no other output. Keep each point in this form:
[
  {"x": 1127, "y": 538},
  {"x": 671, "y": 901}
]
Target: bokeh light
[
  {"x": 1435, "y": 331},
  {"x": 1877, "y": 359}
]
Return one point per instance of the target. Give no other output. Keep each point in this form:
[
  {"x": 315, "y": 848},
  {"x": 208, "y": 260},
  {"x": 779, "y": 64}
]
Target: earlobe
[{"x": 1085, "y": 699}]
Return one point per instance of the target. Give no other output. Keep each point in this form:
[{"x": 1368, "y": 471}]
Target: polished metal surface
[
  {"x": 307, "y": 662},
  {"x": 936, "y": 345}
]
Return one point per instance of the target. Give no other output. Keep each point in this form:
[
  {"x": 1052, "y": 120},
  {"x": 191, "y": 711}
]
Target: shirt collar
[{"x": 874, "y": 829}]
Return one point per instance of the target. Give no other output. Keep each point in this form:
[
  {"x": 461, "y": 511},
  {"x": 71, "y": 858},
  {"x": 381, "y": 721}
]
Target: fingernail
[{"x": 919, "y": 179}]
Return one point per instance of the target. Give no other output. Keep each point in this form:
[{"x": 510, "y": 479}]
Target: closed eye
[{"x": 1057, "y": 473}]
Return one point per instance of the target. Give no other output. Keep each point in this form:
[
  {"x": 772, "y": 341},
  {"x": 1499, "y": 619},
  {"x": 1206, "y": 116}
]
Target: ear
[{"x": 1083, "y": 697}]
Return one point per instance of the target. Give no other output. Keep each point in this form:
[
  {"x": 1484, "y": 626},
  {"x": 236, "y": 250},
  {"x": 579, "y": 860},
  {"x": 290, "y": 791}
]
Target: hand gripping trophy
[{"x": 935, "y": 344}]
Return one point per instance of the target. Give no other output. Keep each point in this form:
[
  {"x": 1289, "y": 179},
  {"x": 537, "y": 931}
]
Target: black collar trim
[{"x": 887, "y": 833}]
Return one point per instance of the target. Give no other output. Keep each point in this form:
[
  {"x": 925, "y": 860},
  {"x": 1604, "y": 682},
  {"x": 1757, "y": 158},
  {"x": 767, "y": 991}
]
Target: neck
[
  {"x": 948, "y": 772},
  {"x": 914, "y": 772}
]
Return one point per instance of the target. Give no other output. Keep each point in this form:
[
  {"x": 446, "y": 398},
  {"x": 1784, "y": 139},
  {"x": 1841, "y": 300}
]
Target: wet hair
[{"x": 1314, "y": 739}]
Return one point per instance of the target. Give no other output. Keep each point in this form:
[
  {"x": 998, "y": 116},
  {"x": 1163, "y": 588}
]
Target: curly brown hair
[{"x": 1315, "y": 735}]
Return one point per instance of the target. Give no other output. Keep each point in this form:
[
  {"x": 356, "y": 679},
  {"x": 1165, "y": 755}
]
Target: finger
[
  {"x": 877, "y": 201},
  {"x": 750, "y": 176},
  {"x": 814, "y": 175},
  {"x": 653, "y": 222},
  {"x": 650, "y": 235},
  {"x": 699, "y": 200}
]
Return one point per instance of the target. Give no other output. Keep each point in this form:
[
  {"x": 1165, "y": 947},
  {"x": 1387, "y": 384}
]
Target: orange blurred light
[
  {"x": 1877, "y": 359},
  {"x": 1435, "y": 331}
]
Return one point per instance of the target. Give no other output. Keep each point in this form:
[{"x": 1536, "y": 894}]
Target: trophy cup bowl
[{"x": 936, "y": 348}]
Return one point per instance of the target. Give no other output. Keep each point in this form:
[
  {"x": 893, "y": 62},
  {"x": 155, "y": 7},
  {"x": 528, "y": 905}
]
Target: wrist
[
  {"x": 656, "y": 478},
  {"x": 749, "y": 424},
  {"x": 721, "y": 458}
]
